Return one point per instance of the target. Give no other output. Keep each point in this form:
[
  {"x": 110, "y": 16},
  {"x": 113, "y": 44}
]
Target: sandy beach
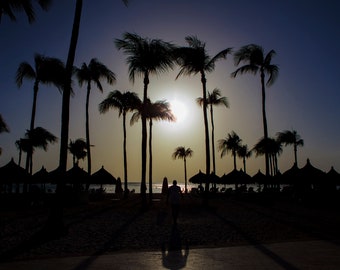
[{"x": 110, "y": 224}]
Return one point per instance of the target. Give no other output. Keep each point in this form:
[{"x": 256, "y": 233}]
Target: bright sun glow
[{"x": 179, "y": 110}]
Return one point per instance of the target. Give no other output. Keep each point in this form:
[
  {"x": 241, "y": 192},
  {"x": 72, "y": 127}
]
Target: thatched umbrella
[
  {"x": 40, "y": 177},
  {"x": 260, "y": 178},
  {"x": 198, "y": 178},
  {"x": 289, "y": 176},
  {"x": 311, "y": 175},
  {"x": 12, "y": 173},
  {"x": 237, "y": 177},
  {"x": 77, "y": 175},
  {"x": 102, "y": 177},
  {"x": 331, "y": 181}
]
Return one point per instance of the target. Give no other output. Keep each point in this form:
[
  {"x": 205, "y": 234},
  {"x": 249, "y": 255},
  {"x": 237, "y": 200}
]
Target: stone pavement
[{"x": 309, "y": 255}]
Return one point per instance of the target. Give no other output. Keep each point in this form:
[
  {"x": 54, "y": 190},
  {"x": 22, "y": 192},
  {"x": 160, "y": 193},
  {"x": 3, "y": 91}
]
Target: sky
[{"x": 305, "y": 97}]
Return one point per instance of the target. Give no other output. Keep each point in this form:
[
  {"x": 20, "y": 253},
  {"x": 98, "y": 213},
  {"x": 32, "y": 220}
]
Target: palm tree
[
  {"x": 195, "y": 60},
  {"x": 55, "y": 220},
  {"x": 8, "y": 7},
  {"x": 272, "y": 148},
  {"x": 231, "y": 143},
  {"x": 78, "y": 150},
  {"x": 145, "y": 57},
  {"x": 244, "y": 153},
  {"x": 214, "y": 99},
  {"x": 93, "y": 72},
  {"x": 21, "y": 146},
  {"x": 47, "y": 70},
  {"x": 3, "y": 128},
  {"x": 160, "y": 110},
  {"x": 182, "y": 153},
  {"x": 257, "y": 61},
  {"x": 37, "y": 138},
  {"x": 124, "y": 103},
  {"x": 288, "y": 137}
]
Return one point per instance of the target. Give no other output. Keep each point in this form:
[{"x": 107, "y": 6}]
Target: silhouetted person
[{"x": 174, "y": 197}]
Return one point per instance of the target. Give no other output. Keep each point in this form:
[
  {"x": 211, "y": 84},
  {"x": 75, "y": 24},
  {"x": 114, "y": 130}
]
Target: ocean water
[{"x": 132, "y": 186}]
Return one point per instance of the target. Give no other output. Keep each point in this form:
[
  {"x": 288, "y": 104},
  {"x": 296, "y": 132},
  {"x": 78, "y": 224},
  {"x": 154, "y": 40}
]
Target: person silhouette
[{"x": 174, "y": 197}]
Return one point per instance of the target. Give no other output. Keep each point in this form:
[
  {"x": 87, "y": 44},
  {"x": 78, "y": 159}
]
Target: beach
[{"x": 111, "y": 225}]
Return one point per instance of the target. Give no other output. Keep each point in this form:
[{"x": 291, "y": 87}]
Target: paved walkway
[{"x": 292, "y": 255}]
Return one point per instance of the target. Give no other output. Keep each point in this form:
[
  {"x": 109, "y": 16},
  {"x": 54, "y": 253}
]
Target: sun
[{"x": 179, "y": 110}]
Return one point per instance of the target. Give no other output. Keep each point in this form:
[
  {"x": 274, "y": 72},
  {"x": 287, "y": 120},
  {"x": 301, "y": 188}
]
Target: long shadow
[
  {"x": 41, "y": 237},
  {"x": 280, "y": 261},
  {"x": 173, "y": 256},
  {"x": 90, "y": 259},
  {"x": 323, "y": 234}
]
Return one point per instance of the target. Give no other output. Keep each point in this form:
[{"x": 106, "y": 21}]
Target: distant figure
[
  {"x": 165, "y": 186},
  {"x": 119, "y": 189},
  {"x": 174, "y": 196}
]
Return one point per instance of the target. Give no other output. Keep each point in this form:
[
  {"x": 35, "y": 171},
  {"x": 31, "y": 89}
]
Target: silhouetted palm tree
[
  {"x": 288, "y": 137},
  {"x": 271, "y": 147},
  {"x": 214, "y": 99},
  {"x": 160, "y": 110},
  {"x": 9, "y": 7},
  {"x": 244, "y": 153},
  {"x": 37, "y": 138},
  {"x": 145, "y": 57},
  {"x": 124, "y": 103},
  {"x": 231, "y": 143},
  {"x": 46, "y": 70},
  {"x": 182, "y": 153},
  {"x": 55, "y": 220},
  {"x": 195, "y": 60},
  {"x": 3, "y": 128},
  {"x": 78, "y": 150},
  {"x": 93, "y": 72},
  {"x": 20, "y": 145},
  {"x": 257, "y": 61}
]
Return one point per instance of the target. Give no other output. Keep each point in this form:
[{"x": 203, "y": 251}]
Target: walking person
[{"x": 174, "y": 197}]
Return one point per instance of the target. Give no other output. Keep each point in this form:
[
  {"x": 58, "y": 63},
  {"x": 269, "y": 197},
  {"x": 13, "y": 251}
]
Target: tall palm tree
[
  {"x": 46, "y": 70},
  {"x": 93, "y": 72},
  {"x": 257, "y": 61},
  {"x": 214, "y": 99},
  {"x": 78, "y": 150},
  {"x": 124, "y": 103},
  {"x": 289, "y": 137},
  {"x": 182, "y": 153},
  {"x": 231, "y": 143},
  {"x": 3, "y": 128},
  {"x": 160, "y": 110},
  {"x": 8, "y": 7},
  {"x": 195, "y": 60},
  {"x": 244, "y": 153},
  {"x": 145, "y": 57},
  {"x": 55, "y": 220}
]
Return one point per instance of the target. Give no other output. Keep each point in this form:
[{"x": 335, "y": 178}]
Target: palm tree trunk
[
  {"x": 55, "y": 223},
  {"x": 65, "y": 114},
  {"x": 185, "y": 175},
  {"x": 265, "y": 128},
  {"x": 150, "y": 161},
  {"x": 212, "y": 139},
  {"x": 88, "y": 145},
  {"x": 206, "y": 131},
  {"x": 144, "y": 140},
  {"x": 125, "y": 157},
  {"x": 295, "y": 153},
  {"x": 29, "y": 156}
]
